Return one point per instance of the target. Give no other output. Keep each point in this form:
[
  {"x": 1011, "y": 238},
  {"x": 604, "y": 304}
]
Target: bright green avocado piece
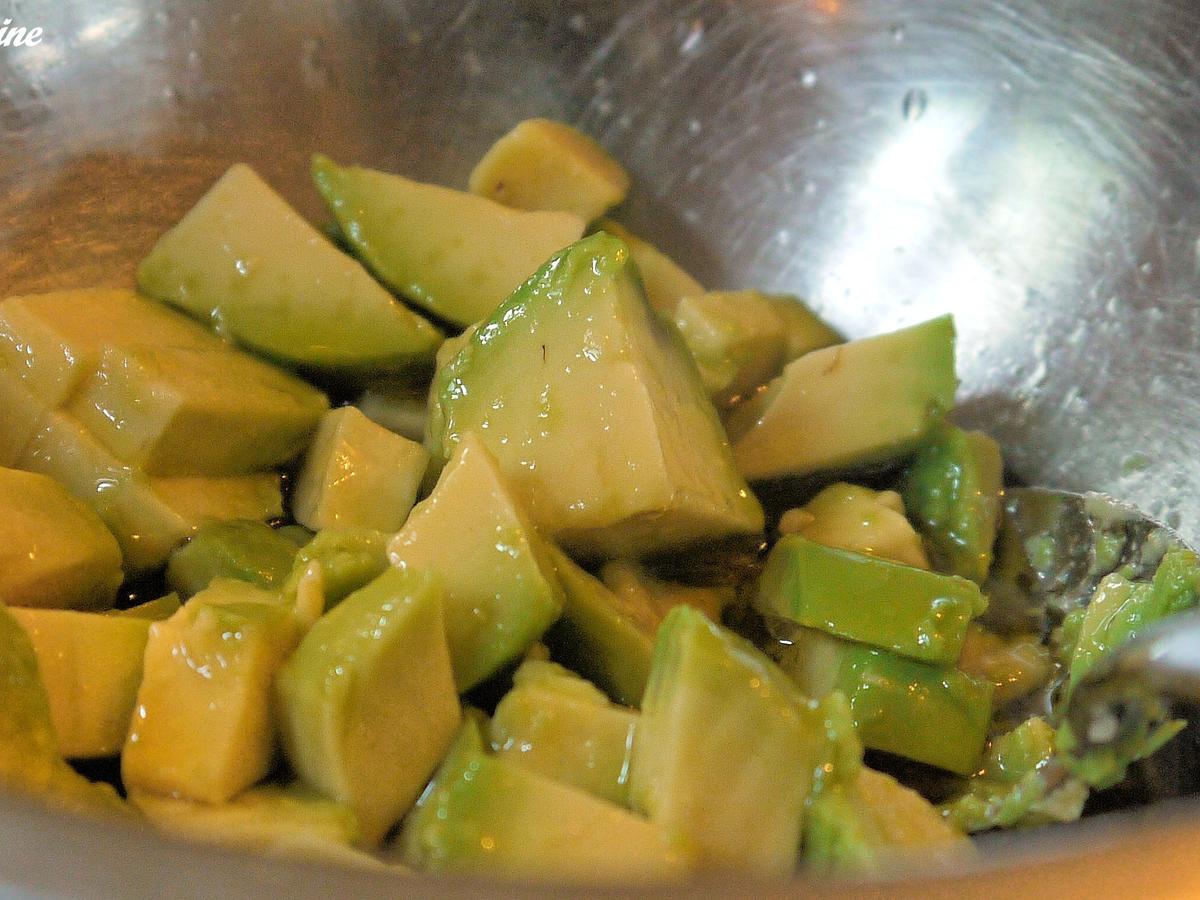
[
  {"x": 665, "y": 281},
  {"x": 483, "y": 814},
  {"x": 349, "y": 558},
  {"x": 933, "y": 715},
  {"x": 859, "y": 404},
  {"x": 54, "y": 550},
  {"x": 910, "y": 611},
  {"x": 502, "y": 592},
  {"x": 245, "y": 261},
  {"x": 952, "y": 490},
  {"x": 726, "y": 748},
  {"x": 858, "y": 519},
  {"x": 452, "y": 253},
  {"x": 594, "y": 412},
  {"x": 367, "y": 704},
  {"x": 248, "y": 551}
]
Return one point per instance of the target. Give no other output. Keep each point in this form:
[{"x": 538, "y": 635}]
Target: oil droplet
[
  {"x": 808, "y": 79},
  {"x": 914, "y": 104}
]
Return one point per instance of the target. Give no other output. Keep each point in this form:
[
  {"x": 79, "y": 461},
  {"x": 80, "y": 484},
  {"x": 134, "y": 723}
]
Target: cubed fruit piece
[
  {"x": 202, "y": 728},
  {"x": 665, "y": 281},
  {"x": 858, "y": 519},
  {"x": 367, "y": 704},
  {"x": 54, "y": 550},
  {"x": 726, "y": 748},
  {"x": 858, "y": 404},
  {"x": 245, "y": 261},
  {"x": 952, "y": 489},
  {"x": 358, "y": 475},
  {"x": 910, "y": 611},
  {"x": 257, "y": 497},
  {"x": 245, "y": 550},
  {"x": 546, "y": 165},
  {"x": 450, "y": 252},
  {"x": 874, "y": 822},
  {"x": 20, "y": 412},
  {"x": 482, "y": 814},
  {"x": 54, "y": 341},
  {"x": 594, "y": 412},
  {"x": 91, "y": 666},
  {"x": 501, "y": 589},
  {"x": 933, "y": 715},
  {"x": 556, "y": 724},
  {"x": 348, "y": 558}
]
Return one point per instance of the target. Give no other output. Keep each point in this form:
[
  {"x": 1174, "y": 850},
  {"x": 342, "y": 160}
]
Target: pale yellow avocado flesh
[
  {"x": 91, "y": 666},
  {"x": 20, "y": 413},
  {"x": 54, "y": 550},
  {"x": 664, "y": 280},
  {"x": 357, "y": 474},
  {"x": 197, "y": 499},
  {"x": 859, "y": 519}
]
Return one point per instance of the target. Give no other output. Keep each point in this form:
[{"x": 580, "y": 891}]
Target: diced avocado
[
  {"x": 933, "y": 715},
  {"x": 952, "y": 490},
  {"x": 874, "y": 822},
  {"x": 189, "y": 411},
  {"x": 152, "y": 610},
  {"x": 358, "y": 475},
  {"x": 856, "y": 404},
  {"x": 248, "y": 551},
  {"x": 549, "y": 724},
  {"x": 546, "y": 165},
  {"x": 501, "y": 589},
  {"x": 594, "y": 412},
  {"x": 452, "y": 253},
  {"x": 803, "y": 330},
  {"x": 245, "y": 261},
  {"x": 197, "y": 498},
  {"x": 54, "y": 551},
  {"x": 483, "y": 814},
  {"x": 350, "y": 558},
  {"x": 726, "y": 748},
  {"x": 398, "y": 406},
  {"x": 91, "y": 666},
  {"x": 367, "y": 704},
  {"x": 910, "y": 611},
  {"x": 1016, "y": 666},
  {"x": 202, "y": 728},
  {"x": 654, "y": 598},
  {"x": 600, "y": 635},
  {"x": 860, "y": 520},
  {"x": 21, "y": 412},
  {"x": 665, "y": 282}
]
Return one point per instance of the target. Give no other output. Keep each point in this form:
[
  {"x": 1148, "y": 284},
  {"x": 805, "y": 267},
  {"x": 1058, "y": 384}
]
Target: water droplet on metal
[
  {"x": 809, "y": 79},
  {"x": 694, "y": 37},
  {"x": 810, "y": 187},
  {"x": 1111, "y": 191},
  {"x": 694, "y": 126},
  {"x": 1146, "y": 268},
  {"x": 577, "y": 23},
  {"x": 914, "y": 104},
  {"x": 898, "y": 33}
]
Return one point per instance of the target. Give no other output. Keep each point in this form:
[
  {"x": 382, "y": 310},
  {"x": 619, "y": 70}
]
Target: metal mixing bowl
[{"x": 1028, "y": 165}]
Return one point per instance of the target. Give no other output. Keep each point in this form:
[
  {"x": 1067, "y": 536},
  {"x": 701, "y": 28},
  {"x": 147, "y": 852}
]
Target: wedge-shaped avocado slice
[
  {"x": 857, "y": 404},
  {"x": 594, "y": 412},
  {"x": 546, "y": 165},
  {"x": 22, "y": 412},
  {"x": 202, "y": 728},
  {"x": 484, "y": 814},
  {"x": 367, "y": 704},
  {"x": 557, "y": 724},
  {"x": 910, "y": 611},
  {"x": 858, "y": 519},
  {"x": 91, "y": 666},
  {"x": 54, "y": 550},
  {"x": 245, "y": 550},
  {"x": 245, "y": 261},
  {"x": 198, "y": 498},
  {"x": 665, "y": 281},
  {"x": 348, "y": 558},
  {"x": 726, "y": 748},
  {"x": 501, "y": 589},
  {"x": 452, "y": 253},
  {"x": 952, "y": 490},
  {"x": 358, "y": 474},
  {"x": 933, "y": 715},
  {"x": 874, "y": 822}
]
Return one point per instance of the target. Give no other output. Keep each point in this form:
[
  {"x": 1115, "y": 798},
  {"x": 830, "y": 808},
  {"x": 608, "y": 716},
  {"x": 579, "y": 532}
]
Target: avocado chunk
[
  {"x": 449, "y": 252},
  {"x": 858, "y": 404},
  {"x": 546, "y": 165},
  {"x": 245, "y": 261},
  {"x": 91, "y": 666},
  {"x": 1016, "y": 665},
  {"x": 501, "y": 589},
  {"x": 900, "y": 608},
  {"x": 54, "y": 551},
  {"x": 358, "y": 475},
  {"x": 858, "y": 519},
  {"x": 874, "y": 822},
  {"x": 367, "y": 704},
  {"x": 244, "y": 550},
  {"x": 937, "y": 716},
  {"x": 952, "y": 489},
  {"x": 594, "y": 412},
  {"x": 556, "y": 724},
  {"x": 726, "y": 748},
  {"x": 256, "y": 497},
  {"x": 349, "y": 558},
  {"x": 202, "y": 727},
  {"x": 654, "y": 597},
  {"x": 664, "y": 280},
  {"x": 152, "y": 610},
  {"x": 21, "y": 414},
  {"x": 483, "y": 814}
]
